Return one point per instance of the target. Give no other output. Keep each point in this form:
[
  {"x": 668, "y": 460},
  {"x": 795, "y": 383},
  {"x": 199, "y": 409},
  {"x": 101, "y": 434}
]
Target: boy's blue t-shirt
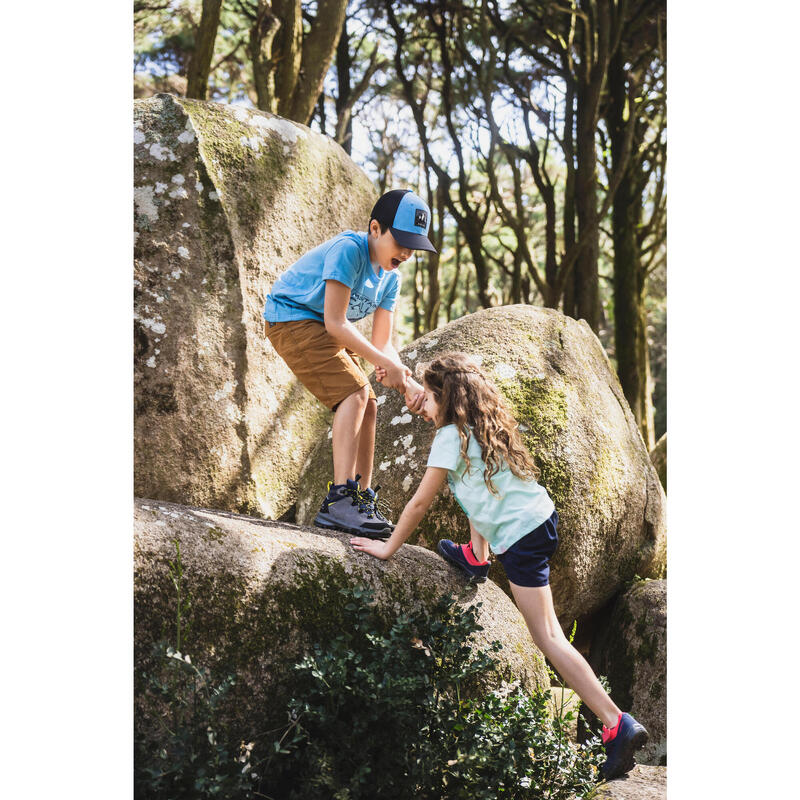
[
  {"x": 299, "y": 293},
  {"x": 522, "y": 505}
]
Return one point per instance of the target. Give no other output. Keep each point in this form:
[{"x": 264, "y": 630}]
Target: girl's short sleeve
[{"x": 446, "y": 448}]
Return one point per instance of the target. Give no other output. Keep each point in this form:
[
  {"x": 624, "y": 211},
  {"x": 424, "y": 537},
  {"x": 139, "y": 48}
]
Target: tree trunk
[
  {"x": 288, "y": 50},
  {"x": 318, "y": 49},
  {"x": 630, "y": 331},
  {"x": 200, "y": 64},
  {"x": 259, "y": 48},
  {"x": 586, "y": 279},
  {"x": 569, "y": 198},
  {"x": 344, "y": 61}
]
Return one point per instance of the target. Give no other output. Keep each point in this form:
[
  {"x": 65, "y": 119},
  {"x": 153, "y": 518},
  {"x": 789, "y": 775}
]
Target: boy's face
[{"x": 384, "y": 249}]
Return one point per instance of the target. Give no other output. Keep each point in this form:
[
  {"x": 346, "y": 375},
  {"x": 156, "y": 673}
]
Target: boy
[{"x": 308, "y": 319}]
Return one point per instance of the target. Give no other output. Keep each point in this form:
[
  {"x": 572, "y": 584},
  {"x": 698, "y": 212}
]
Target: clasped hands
[{"x": 398, "y": 376}]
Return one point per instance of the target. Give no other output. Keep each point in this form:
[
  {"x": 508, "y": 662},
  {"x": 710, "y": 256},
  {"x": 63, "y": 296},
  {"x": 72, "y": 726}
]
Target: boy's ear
[{"x": 374, "y": 227}]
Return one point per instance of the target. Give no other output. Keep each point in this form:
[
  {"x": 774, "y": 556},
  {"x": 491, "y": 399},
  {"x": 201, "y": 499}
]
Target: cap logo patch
[{"x": 420, "y": 218}]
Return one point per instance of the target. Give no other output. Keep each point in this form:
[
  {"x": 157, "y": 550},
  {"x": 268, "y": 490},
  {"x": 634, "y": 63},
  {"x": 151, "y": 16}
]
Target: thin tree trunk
[
  {"x": 630, "y": 315},
  {"x": 344, "y": 119},
  {"x": 288, "y": 50},
  {"x": 200, "y": 64},
  {"x": 318, "y": 49},
  {"x": 259, "y": 47},
  {"x": 417, "y": 301}
]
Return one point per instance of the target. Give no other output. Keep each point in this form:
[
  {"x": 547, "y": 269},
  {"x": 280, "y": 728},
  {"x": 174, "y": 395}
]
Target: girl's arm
[{"x": 414, "y": 511}]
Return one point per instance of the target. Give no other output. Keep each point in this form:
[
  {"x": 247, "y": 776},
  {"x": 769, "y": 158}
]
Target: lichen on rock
[
  {"x": 631, "y": 649},
  {"x": 225, "y": 199},
  {"x": 261, "y": 593},
  {"x": 576, "y": 422}
]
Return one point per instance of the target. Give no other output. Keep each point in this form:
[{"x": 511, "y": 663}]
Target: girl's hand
[
  {"x": 380, "y": 373},
  {"x": 414, "y": 401},
  {"x": 374, "y": 548}
]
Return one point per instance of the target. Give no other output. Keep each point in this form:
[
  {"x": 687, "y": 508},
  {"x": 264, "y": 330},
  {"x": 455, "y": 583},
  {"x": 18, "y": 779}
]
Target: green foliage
[
  {"x": 395, "y": 711},
  {"x": 196, "y": 758}
]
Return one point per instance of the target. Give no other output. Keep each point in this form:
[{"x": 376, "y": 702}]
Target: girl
[{"x": 478, "y": 449}]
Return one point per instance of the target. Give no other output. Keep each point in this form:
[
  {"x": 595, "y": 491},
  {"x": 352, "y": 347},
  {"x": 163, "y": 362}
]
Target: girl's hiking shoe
[
  {"x": 369, "y": 506},
  {"x": 340, "y": 511},
  {"x": 620, "y": 743},
  {"x": 462, "y": 556}
]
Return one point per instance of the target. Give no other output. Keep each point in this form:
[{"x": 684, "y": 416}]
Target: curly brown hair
[{"x": 468, "y": 399}]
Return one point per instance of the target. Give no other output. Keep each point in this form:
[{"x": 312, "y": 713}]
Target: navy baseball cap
[{"x": 408, "y": 218}]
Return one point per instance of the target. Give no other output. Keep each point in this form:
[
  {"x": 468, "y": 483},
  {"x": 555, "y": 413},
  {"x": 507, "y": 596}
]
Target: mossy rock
[
  {"x": 226, "y": 198},
  {"x": 576, "y": 423},
  {"x": 631, "y": 649},
  {"x": 658, "y": 455},
  {"x": 262, "y": 593}
]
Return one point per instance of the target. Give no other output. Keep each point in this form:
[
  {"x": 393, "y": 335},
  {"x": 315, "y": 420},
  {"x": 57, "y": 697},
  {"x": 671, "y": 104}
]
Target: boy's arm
[
  {"x": 382, "y": 339},
  {"x": 337, "y": 297},
  {"x": 414, "y": 511}
]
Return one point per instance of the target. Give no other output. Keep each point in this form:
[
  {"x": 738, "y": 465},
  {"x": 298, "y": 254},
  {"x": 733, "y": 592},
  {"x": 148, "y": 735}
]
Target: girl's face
[{"x": 430, "y": 408}]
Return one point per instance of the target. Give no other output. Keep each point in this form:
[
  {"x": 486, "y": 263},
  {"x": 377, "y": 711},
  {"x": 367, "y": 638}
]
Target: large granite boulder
[
  {"x": 261, "y": 593},
  {"x": 631, "y": 650},
  {"x": 576, "y": 422},
  {"x": 226, "y": 198},
  {"x": 658, "y": 455}
]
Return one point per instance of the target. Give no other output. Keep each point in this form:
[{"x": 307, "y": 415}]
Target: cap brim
[{"x": 413, "y": 241}]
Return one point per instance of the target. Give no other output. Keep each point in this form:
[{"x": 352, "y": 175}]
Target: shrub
[
  {"x": 178, "y": 707},
  {"x": 382, "y": 712}
]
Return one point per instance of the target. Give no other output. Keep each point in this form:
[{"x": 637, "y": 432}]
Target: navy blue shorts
[{"x": 527, "y": 562}]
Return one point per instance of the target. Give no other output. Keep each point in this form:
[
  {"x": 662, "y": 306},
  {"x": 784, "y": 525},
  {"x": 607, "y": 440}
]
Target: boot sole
[
  {"x": 474, "y": 578},
  {"x": 381, "y": 535},
  {"x": 626, "y": 759}
]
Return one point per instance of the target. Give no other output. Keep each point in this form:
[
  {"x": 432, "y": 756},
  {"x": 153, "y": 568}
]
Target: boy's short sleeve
[
  {"x": 342, "y": 263},
  {"x": 446, "y": 448},
  {"x": 389, "y": 300}
]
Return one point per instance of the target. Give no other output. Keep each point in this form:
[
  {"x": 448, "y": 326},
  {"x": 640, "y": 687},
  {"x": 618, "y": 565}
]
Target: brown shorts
[{"x": 328, "y": 370}]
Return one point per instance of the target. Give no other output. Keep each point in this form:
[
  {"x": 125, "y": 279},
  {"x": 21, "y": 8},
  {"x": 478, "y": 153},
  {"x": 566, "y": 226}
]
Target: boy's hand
[
  {"x": 374, "y": 548},
  {"x": 393, "y": 375}
]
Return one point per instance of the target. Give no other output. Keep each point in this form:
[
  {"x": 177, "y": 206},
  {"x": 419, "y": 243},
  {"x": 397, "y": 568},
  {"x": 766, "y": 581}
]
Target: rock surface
[
  {"x": 641, "y": 783},
  {"x": 262, "y": 593},
  {"x": 226, "y": 198},
  {"x": 631, "y": 650},
  {"x": 576, "y": 422},
  {"x": 658, "y": 455}
]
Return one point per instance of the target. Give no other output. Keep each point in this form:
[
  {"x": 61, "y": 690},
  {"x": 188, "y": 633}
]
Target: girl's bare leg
[
  {"x": 536, "y": 605},
  {"x": 480, "y": 547}
]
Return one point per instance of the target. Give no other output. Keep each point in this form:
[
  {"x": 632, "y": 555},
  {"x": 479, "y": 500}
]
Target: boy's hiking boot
[
  {"x": 340, "y": 511},
  {"x": 369, "y": 506},
  {"x": 620, "y": 743},
  {"x": 462, "y": 556}
]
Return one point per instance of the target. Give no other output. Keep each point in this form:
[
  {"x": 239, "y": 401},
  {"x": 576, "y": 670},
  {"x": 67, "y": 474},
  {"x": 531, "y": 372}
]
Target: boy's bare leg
[
  {"x": 365, "y": 454},
  {"x": 480, "y": 547},
  {"x": 536, "y": 605},
  {"x": 347, "y": 421}
]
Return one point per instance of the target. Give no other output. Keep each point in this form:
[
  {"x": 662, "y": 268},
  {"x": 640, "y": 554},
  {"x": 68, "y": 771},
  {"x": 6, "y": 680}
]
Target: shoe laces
[{"x": 370, "y": 505}]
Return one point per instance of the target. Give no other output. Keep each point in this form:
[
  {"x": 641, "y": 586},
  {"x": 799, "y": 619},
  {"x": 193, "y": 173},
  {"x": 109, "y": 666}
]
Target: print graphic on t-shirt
[{"x": 360, "y": 306}]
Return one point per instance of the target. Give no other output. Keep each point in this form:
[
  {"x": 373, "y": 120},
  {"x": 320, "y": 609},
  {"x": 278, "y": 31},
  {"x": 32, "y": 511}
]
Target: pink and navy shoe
[
  {"x": 462, "y": 556},
  {"x": 620, "y": 743}
]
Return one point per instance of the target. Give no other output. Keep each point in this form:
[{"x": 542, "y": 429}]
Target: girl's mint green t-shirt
[{"x": 521, "y": 506}]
